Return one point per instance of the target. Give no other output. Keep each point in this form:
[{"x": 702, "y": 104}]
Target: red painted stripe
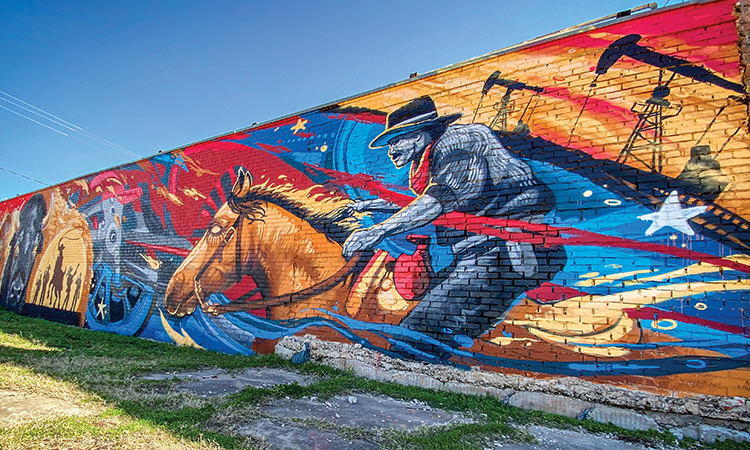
[
  {"x": 551, "y": 292},
  {"x": 529, "y": 232},
  {"x": 163, "y": 248},
  {"x": 549, "y": 235},
  {"x": 657, "y": 314}
]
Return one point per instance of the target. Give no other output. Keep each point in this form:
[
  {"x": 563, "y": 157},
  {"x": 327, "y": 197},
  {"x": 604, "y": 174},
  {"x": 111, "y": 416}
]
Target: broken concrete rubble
[
  {"x": 213, "y": 383},
  {"x": 631, "y": 409}
]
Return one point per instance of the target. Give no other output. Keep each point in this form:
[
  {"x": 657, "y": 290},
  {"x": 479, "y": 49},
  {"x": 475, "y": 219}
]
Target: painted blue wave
[{"x": 409, "y": 344}]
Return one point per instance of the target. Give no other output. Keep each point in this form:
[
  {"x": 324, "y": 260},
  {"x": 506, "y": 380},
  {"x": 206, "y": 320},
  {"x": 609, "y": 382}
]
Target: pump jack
[
  {"x": 505, "y": 105},
  {"x": 653, "y": 112}
]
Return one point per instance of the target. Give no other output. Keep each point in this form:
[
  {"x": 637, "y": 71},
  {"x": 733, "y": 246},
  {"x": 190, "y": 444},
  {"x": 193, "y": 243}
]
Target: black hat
[{"x": 419, "y": 114}]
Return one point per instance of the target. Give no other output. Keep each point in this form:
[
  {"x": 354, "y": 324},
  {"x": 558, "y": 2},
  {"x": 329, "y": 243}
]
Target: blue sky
[{"x": 145, "y": 76}]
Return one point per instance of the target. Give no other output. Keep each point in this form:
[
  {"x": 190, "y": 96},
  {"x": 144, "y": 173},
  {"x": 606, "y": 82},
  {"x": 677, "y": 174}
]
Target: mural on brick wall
[{"x": 576, "y": 207}]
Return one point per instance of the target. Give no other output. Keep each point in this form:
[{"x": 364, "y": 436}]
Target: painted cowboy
[{"x": 462, "y": 168}]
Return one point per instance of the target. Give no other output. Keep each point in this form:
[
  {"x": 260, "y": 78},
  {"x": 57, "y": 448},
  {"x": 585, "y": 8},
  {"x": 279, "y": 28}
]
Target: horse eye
[{"x": 216, "y": 229}]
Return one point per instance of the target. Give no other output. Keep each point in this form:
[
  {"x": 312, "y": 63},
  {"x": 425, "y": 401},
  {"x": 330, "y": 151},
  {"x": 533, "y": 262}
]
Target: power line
[
  {"x": 60, "y": 122},
  {"x": 29, "y": 118},
  {"x": 56, "y": 131},
  {"x": 5, "y": 155},
  {"x": 23, "y": 176},
  {"x": 39, "y": 109},
  {"x": 36, "y": 113}
]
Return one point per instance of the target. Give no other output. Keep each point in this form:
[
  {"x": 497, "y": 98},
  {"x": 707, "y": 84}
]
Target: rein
[
  {"x": 226, "y": 236},
  {"x": 299, "y": 296},
  {"x": 233, "y": 231}
]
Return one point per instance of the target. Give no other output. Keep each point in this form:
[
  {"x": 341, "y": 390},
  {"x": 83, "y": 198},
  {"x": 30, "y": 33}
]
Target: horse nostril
[
  {"x": 175, "y": 308},
  {"x": 172, "y": 298}
]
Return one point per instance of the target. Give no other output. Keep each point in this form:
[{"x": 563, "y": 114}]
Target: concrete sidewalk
[{"x": 333, "y": 423}]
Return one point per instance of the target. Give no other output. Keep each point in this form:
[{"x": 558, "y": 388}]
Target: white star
[{"x": 671, "y": 214}]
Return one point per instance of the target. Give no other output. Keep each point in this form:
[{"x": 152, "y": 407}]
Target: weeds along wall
[{"x": 574, "y": 207}]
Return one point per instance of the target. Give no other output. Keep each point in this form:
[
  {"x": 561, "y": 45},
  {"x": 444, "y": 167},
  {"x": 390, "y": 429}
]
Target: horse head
[
  {"x": 299, "y": 246},
  {"x": 215, "y": 263}
]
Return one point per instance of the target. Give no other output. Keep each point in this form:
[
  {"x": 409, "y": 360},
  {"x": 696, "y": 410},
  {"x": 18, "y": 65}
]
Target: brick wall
[{"x": 575, "y": 206}]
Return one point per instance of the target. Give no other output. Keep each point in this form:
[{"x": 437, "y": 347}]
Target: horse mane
[{"x": 324, "y": 211}]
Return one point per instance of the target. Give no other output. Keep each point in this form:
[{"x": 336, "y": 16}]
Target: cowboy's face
[{"x": 405, "y": 148}]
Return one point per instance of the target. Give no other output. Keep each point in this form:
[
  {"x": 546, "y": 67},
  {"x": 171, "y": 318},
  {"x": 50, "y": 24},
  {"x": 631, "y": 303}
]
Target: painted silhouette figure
[
  {"x": 36, "y": 290},
  {"x": 77, "y": 295},
  {"x": 45, "y": 283},
  {"x": 68, "y": 286},
  {"x": 58, "y": 277}
]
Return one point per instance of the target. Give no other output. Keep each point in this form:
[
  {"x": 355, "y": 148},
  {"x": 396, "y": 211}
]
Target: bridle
[
  {"x": 225, "y": 235},
  {"x": 234, "y": 232}
]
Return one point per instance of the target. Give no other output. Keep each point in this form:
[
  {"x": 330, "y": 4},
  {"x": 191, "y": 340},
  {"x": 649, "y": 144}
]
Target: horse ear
[{"x": 243, "y": 183}]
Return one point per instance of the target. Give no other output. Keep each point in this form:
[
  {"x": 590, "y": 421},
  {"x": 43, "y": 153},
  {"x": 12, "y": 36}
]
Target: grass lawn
[{"x": 100, "y": 374}]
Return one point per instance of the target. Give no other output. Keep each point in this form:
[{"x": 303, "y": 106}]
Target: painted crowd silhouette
[{"x": 48, "y": 290}]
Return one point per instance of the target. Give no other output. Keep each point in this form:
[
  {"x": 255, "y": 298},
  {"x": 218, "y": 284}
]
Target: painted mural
[{"x": 576, "y": 207}]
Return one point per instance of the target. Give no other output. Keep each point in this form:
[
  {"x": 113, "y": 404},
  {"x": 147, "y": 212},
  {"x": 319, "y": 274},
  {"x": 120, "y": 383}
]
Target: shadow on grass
[
  {"x": 107, "y": 365},
  {"x": 93, "y": 361}
]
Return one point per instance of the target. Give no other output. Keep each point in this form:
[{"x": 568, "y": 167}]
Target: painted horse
[{"x": 287, "y": 240}]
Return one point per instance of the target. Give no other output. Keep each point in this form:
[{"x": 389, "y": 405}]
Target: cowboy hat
[{"x": 419, "y": 114}]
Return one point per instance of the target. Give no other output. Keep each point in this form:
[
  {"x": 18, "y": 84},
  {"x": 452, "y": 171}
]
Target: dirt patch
[{"x": 18, "y": 406}]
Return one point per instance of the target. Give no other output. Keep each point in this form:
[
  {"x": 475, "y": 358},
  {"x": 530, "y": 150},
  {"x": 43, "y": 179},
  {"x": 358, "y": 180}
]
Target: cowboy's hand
[
  {"x": 357, "y": 206},
  {"x": 362, "y": 240}
]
